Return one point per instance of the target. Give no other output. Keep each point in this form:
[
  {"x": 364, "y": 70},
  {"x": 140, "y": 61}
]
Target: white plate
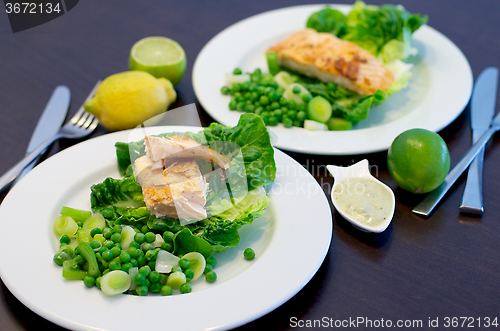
[
  {"x": 437, "y": 93},
  {"x": 290, "y": 242}
]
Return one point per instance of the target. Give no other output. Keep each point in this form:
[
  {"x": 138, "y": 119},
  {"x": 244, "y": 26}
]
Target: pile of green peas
[
  {"x": 106, "y": 244},
  {"x": 263, "y": 96}
]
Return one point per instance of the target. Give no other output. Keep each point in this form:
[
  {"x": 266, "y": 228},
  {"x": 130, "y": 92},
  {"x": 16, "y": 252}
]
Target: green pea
[
  {"x": 141, "y": 290},
  {"x": 189, "y": 273},
  {"x": 296, "y": 90},
  {"x": 240, "y": 106},
  {"x": 115, "y": 265},
  {"x": 117, "y": 229},
  {"x": 154, "y": 276},
  {"x": 224, "y": 90},
  {"x": 144, "y": 229},
  {"x": 134, "y": 244},
  {"x": 125, "y": 256},
  {"x": 107, "y": 255},
  {"x": 301, "y": 115},
  {"x": 249, "y": 254},
  {"x": 232, "y": 105},
  {"x": 306, "y": 98},
  {"x": 116, "y": 251},
  {"x": 249, "y": 108},
  {"x": 139, "y": 279},
  {"x": 212, "y": 261},
  {"x": 186, "y": 288},
  {"x": 292, "y": 105},
  {"x": 89, "y": 281},
  {"x": 258, "y": 110},
  {"x": 150, "y": 237},
  {"x": 126, "y": 266},
  {"x": 275, "y": 105},
  {"x": 166, "y": 290},
  {"x": 107, "y": 232},
  {"x": 292, "y": 114},
  {"x": 95, "y": 231},
  {"x": 237, "y": 71},
  {"x": 141, "y": 261},
  {"x": 273, "y": 121},
  {"x": 134, "y": 252},
  {"x": 183, "y": 263},
  {"x": 155, "y": 288},
  {"x": 64, "y": 239},
  {"x": 283, "y": 101},
  {"x": 168, "y": 236},
  {"x": 208, "y": 268},
  {"x": 264, "y": 100},
  {"x": 139, "y": 237},
  {"x": 60, "y": 257},
  {"x": 146, "y": 247},
  {"x": 287, "y": 122},
  {"x": 145, "y": 270},
  {"x": 211, "y": 276},
  {"x": 167, "y": 247}
]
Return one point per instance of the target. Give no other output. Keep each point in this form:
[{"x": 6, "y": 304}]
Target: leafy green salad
[
  {"x": 120, "y": 247},
  {"x": 296, "y": 100}
]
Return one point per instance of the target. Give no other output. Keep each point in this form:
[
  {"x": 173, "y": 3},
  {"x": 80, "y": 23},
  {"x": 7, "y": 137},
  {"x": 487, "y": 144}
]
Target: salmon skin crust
[{"x": 323, "y": 56}]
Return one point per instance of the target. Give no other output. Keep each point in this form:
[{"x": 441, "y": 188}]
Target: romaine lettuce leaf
[{"x": 327, "y": 20}]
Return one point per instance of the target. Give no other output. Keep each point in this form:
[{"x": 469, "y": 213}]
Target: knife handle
[{"x": 472, "y": 198}]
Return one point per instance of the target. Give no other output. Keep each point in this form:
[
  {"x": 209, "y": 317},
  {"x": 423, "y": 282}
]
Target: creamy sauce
[{"x": 365, "y": 200}]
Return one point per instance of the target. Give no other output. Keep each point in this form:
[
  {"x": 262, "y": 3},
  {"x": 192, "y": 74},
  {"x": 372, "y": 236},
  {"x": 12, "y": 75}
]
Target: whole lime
[
  {"x": 418, "y": 160},
  {"x": 127, "y": 99}
]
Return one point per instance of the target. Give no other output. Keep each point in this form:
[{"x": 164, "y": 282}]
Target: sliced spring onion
[
  {"x": 132, "y": 272},
  {"x": 158, "y": 241},
  {"x": 272, "y": 63},
  {"x": 284, "y": 79},
  {"x": 83, "y": 236},
  {"x": 65, "y": 225},
  {"x": 319, "y": 109},
  {"x": 297, "y": 97},
  {"x": 94, "y": 221},
  {"x": 115, "y": 282},
  {"x": 339, "y": 124},
  {"x": 196, "y": 262},
  {"x": 165, "y": 261},
  {"x": 128, "y": 234},
  {"x": 314, "y": 126},
  {"x": 233, "y": 79},
  {"x": 76, "y": 214},
  {"x": 176, "y": 279}
]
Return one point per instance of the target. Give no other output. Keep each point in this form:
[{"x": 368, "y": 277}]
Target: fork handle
[{"x": 12, "y": 174}]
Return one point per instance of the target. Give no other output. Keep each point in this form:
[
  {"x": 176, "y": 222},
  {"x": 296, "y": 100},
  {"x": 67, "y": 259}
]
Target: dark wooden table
[{"x": 417, "y": 270}]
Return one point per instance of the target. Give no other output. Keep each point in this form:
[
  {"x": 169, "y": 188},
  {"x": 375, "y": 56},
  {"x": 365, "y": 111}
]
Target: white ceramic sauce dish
[{"x": 362, "y": 200}]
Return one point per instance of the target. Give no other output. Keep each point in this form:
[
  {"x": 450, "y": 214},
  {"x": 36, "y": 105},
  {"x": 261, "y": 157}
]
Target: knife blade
[
  {"x": 50, "y": 122},
  {"x": 482, "y": 109}
]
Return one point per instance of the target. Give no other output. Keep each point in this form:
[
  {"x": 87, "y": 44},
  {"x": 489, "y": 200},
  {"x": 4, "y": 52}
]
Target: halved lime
[{"x": 159, "y": 56}]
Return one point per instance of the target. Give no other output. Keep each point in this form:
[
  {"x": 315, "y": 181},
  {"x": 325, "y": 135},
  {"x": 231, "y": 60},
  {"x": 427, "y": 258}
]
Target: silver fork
[{"x": 79, "y": 126}]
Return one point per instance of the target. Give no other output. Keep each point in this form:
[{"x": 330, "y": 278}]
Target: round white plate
[
  {"x": 290, "y": 242},
  {"x": 437, "y": 93}
]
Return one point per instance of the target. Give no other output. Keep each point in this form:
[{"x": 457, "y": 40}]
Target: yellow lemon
[{"x": 127, "y": 99}]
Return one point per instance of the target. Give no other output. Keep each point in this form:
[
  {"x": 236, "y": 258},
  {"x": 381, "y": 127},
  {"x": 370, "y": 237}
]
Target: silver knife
[
  {"x": 49, "y": 123},
  {"x": 482, "y": 109}
]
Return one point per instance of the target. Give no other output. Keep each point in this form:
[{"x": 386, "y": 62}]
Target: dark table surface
[{"x": 442, "y": 267}]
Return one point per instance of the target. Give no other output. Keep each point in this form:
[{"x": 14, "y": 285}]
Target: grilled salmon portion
[
  {"x": 178, "y": 147},
  {"x": 330, "y": 59}
]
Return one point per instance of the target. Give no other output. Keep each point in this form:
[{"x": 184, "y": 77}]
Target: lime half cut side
[{"x": 159, "y": 56}]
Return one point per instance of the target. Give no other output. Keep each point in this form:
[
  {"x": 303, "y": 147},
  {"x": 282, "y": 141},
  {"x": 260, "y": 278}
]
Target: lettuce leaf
[{"x": 327, "y": 20}]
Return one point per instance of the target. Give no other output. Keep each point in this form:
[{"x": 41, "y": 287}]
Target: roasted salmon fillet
[{"x": 330, "y": 59}]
